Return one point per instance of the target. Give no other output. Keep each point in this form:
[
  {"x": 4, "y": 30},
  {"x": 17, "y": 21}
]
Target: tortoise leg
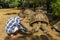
[
  {"x": 44, "y": 27},
  {"x": 36, "y": 27}
]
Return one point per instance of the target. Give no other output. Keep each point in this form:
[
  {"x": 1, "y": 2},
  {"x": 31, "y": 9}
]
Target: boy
[{"x": 14, "y": 25}]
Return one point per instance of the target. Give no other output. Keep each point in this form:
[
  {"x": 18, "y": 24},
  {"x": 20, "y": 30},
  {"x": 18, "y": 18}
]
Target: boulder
[{"x": 57, "y": 26}]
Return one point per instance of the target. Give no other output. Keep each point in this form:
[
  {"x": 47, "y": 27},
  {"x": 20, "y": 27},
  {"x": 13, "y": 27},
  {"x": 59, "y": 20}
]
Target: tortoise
[
  {"x": 36, "y": 18},
  {"x": 39, "y": 16},
  {"x": 38, "y": 21}
]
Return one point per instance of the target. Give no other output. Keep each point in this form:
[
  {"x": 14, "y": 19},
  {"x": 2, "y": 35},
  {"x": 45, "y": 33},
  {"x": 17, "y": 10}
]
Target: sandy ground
[{"x": 4, "y": 17}]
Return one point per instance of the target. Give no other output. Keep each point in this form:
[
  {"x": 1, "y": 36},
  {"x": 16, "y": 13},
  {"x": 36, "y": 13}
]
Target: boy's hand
[{"x": 11, "y": 37}]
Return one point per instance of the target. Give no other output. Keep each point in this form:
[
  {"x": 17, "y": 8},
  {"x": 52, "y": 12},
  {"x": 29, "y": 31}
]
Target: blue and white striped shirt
[{"x": 14, "y": 24}]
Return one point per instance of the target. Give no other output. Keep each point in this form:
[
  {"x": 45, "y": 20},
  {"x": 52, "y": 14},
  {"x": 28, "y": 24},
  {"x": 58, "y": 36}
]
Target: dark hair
[{"x": 21, "y": 14}]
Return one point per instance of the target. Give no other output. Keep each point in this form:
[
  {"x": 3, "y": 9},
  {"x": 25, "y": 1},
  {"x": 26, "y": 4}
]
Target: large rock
[{"x": 57, "y": 26}]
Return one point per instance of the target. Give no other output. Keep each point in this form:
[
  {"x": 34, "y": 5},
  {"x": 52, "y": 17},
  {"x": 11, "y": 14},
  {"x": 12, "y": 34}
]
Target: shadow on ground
[
  {"x": 31, "y": 37},
  {"x": 10, "y": 13}
]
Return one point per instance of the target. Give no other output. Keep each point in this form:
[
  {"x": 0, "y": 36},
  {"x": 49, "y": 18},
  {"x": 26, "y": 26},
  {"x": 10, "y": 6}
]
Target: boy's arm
[{"x": 27, "y": 33}]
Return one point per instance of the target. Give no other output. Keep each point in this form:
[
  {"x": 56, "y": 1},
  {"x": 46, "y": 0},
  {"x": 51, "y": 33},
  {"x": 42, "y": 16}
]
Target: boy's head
[{"x": 21, "y": 15}]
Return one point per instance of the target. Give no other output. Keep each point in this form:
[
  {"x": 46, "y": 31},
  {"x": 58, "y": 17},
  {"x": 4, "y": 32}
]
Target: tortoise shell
[{"x": 39, "y": 16}]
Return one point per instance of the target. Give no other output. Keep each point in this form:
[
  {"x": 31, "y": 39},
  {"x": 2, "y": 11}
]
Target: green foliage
[
  {"x": 10, "y": 3},
  {"x": 13, "y": 3},
  {"x": 24, "y": 3},
  {"x": 56, "y": 8},
  {"x": 0, "y": 7}
]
